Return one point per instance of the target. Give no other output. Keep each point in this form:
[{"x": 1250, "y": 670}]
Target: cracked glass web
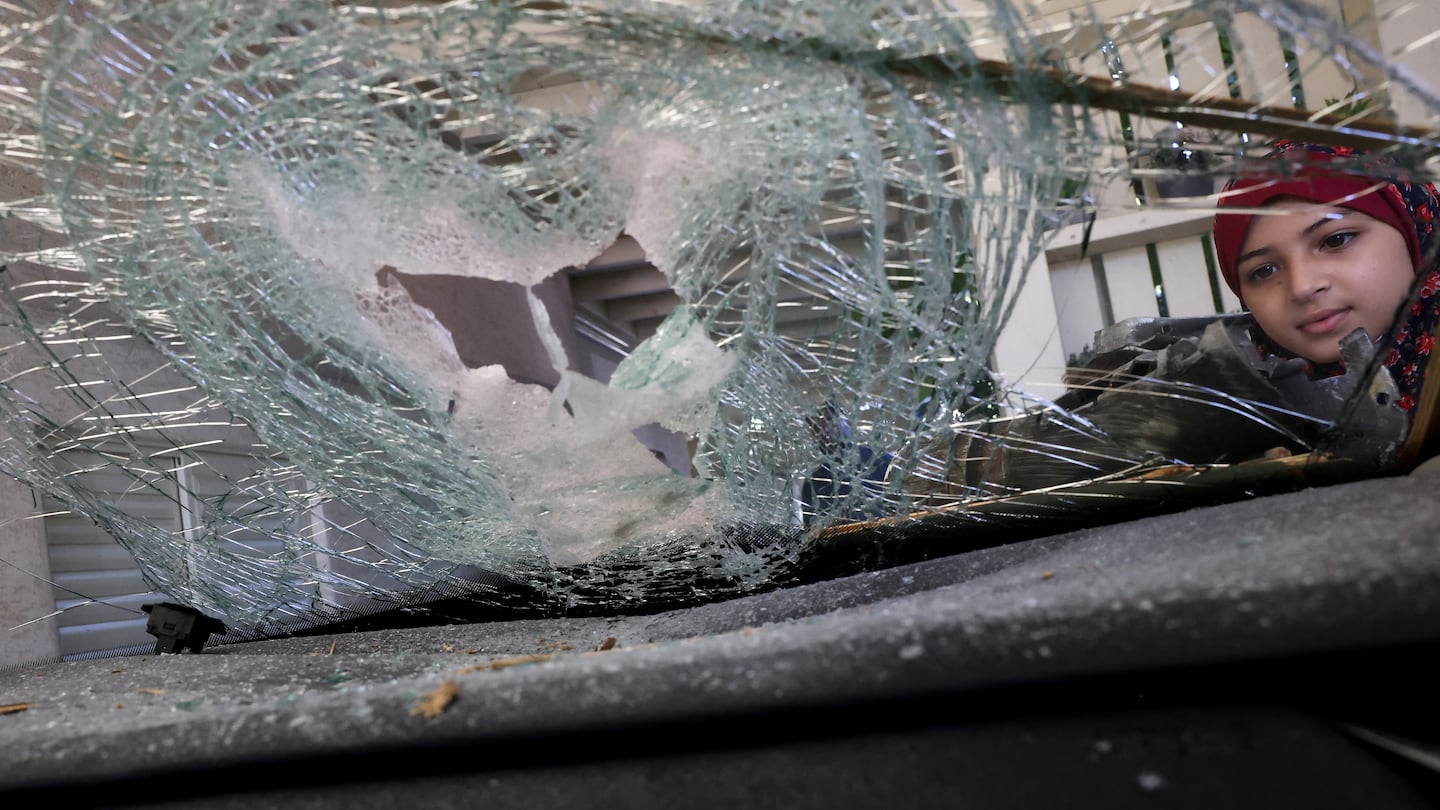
[{"x": 235, "y": 235}]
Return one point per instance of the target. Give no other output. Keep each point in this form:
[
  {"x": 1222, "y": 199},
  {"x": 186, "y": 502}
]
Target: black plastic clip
[{"x": 177, "y": 626}]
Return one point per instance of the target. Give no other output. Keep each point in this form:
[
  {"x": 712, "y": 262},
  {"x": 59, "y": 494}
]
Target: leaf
[
  {"x": 437, "y": 700},
  {"x": 506, "y": 663}
]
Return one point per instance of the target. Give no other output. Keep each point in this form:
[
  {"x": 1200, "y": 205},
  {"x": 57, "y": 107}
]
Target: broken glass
[{"x": 309, "y": 277}]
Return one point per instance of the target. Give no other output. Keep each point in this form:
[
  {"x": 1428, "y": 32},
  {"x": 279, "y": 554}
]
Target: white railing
[{"x": 1069, "y": 295}]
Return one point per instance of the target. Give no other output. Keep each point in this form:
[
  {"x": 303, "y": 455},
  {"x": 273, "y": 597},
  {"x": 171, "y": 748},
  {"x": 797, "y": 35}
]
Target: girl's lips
[{"x": 1323, "y": 322}]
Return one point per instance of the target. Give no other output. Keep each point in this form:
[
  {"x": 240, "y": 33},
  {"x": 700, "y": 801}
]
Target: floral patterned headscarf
[{"x": 1335, "y": 175}]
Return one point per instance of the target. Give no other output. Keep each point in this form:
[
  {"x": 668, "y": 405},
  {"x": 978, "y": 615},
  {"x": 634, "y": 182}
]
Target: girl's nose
[{"x": 1307, "y": 279}]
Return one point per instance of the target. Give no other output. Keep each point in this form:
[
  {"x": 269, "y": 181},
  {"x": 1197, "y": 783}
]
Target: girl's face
[{"x": 1311, "y": 274}]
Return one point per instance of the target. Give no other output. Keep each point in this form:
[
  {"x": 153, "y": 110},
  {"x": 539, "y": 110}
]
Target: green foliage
[{"x": 1353, "y": 104}]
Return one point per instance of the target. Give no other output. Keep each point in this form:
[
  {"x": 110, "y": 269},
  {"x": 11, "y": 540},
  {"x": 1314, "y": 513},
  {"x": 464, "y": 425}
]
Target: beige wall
[{"x": 25, "y": 594}]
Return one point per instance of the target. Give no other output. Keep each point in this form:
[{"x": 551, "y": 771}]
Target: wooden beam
[
  {"x": 626, "y": 310},
  {"x": 625, "y": 282},
  {"x": 1127, "y": 230},
  {"x": 1232, "y": 115}
]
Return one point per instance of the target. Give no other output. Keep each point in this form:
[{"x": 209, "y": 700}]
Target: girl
[{"x": 1338, "y": 248}]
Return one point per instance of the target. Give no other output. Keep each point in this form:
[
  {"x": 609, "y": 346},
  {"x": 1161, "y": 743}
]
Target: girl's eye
[
  {"x": 1336, "y": 240},
  {"x": 1261, "y": 272}
]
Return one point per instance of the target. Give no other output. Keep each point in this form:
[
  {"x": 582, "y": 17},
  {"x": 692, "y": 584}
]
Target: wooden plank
[
  {"x": 640, "y": 307},
  {"x": 1407, "y": 33},
  {"x": 1259, "y": 62},
  {"x": 68, "y": 529},
  {"x": 156, "y": 509},
  {"x": 1112, "y": 192},
  {"x": 1185, "y": 277},
  {"x": 1363, "y": 24},
  {"x": 1198, "y": 64},
  {"x": 98, "y": 584},
  {"x": 1132, "y": 292},
  {"x": 92, "y": 557},
  {"x": 107, "y": 636},
  {"x": 1153, "y": 224},
  {"x": 1144, "y": 61},
  {"x": 1028, "y": 351},
  {"x": 622, "y": 283},
  {"x": 116, "y": 608},
  {"x": 1144, "y": 64},
  {"x": 1320, "y": 77},
  {"x": 1077, "y": 305}
]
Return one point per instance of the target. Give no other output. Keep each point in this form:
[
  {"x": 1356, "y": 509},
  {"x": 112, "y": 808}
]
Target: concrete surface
[{"x": 1329, "y": 569}]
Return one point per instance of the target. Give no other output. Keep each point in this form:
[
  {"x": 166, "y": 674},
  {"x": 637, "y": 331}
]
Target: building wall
[{"x": 27, "y": 633}]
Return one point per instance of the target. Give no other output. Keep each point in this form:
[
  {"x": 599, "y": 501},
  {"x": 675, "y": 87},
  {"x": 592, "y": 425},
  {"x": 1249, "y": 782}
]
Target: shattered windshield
[{"x": 324, "y": 309}]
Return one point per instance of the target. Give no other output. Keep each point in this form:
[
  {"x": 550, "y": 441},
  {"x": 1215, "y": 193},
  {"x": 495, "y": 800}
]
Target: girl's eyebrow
[
  {"x": 1320, "y": 223},
  {"x": 1314, "y": 226},
  {"x": 1244, "y": 257}
]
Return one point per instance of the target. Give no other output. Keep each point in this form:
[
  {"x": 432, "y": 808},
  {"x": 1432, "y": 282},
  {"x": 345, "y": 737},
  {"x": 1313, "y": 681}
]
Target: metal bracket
[{"x": 177, "y": 628}]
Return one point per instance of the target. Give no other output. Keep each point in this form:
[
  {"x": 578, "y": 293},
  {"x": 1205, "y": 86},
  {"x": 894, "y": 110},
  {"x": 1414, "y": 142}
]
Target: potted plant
[{"x": 1183, "y": 164}]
